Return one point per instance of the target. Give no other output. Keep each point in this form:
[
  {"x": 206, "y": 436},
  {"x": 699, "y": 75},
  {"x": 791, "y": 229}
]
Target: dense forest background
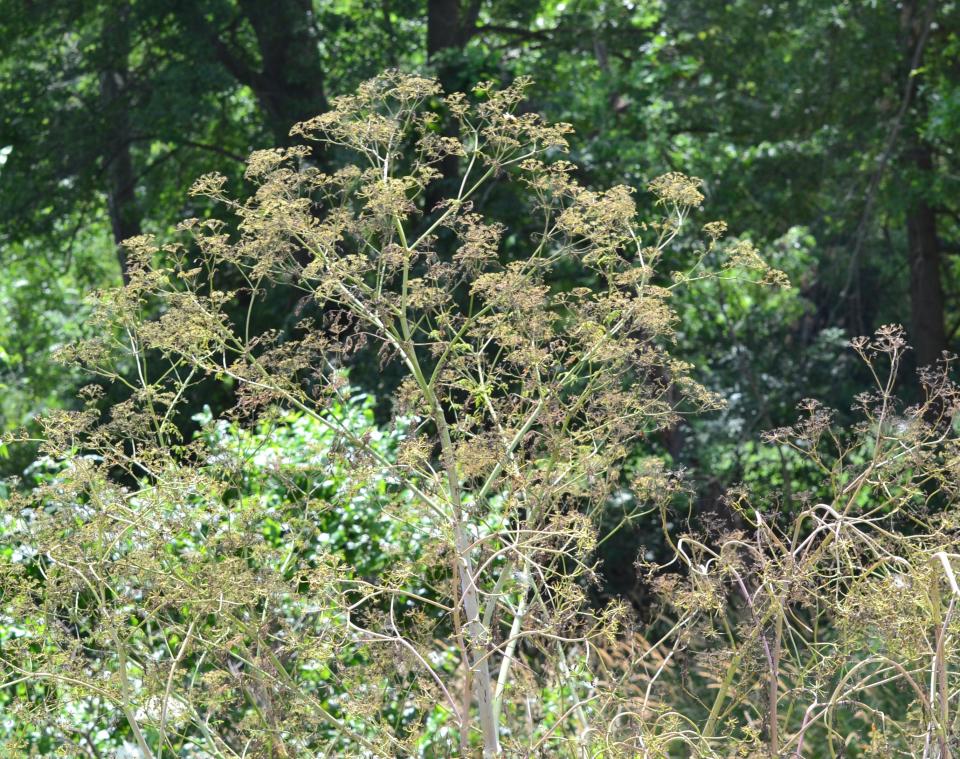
[
  {"x": 362, "y": 474},
  {"x": 825, "y": 132}
]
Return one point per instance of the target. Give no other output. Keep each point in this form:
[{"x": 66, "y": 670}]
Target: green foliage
[
  {"x": 825, "y": 133},
  {"x": 265, "y": 476},
  {"x": 36, "y": 320},
  {"x": 291, "y": 458},
  {"x": 786, "y": 110}
]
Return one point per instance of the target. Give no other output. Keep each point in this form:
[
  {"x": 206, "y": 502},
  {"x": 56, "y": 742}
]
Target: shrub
[{"x": 826, "y": 626}]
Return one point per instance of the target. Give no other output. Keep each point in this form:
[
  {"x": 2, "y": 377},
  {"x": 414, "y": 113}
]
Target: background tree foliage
[
  {"x": 825, "y": 134},
  {"x": 828, "y": 127}
]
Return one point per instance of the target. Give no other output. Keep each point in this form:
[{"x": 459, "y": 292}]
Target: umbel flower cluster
[{"x": 160, "y": 588}]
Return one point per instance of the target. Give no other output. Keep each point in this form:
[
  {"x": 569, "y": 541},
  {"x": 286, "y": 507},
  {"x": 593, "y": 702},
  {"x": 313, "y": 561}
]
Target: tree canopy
[{"x": 823, "y": 134}]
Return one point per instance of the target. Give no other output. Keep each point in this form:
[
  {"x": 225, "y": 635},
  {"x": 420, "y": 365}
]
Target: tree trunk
[
  {"x": 450, "y": 26},
  {"x": 289, "y": 84},
  {"x": 443, "y": 26},
  {"x": 118, "y": 162},
  {"x": 926, "y": 292},
  {"x": 928, "y": 336},
  {"x": 284, "y": 71}
]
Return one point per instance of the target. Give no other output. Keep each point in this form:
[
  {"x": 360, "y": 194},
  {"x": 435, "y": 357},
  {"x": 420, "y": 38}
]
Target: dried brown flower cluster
[
  {"x": 828, "y": 624},
  {"x": 213, "y": 624}
]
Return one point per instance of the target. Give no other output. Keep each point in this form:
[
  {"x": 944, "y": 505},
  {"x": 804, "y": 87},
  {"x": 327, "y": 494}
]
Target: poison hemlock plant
[
  {"x": 160, "y": 590},
  {"x": 304, "y": 583},
  {"x": 826, "y": 626},
  {"x": 284, "y": 474}
]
